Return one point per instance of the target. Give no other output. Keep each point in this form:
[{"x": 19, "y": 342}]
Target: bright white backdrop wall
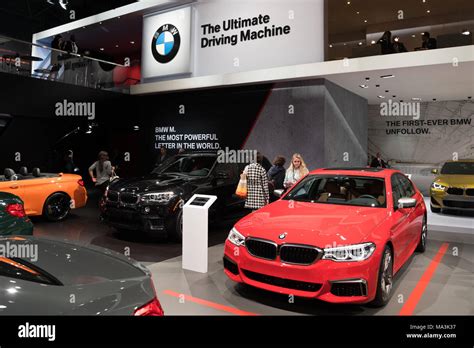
[
  {"x": 231, "y": 36},
  {"x": 303, "y": 44}
]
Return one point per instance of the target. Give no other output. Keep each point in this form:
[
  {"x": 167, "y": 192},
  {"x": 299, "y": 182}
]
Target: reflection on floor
[
  {"x": 450, "y": 290},
  {"x": 83, "y": 227}
]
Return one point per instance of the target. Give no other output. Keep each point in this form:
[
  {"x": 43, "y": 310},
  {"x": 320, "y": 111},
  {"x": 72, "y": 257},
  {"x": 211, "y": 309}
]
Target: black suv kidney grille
[
  {"x": 128, "y": 198},
  {"x": 113, "y": 196},
  {"x": 298, "y": 254},
  {"x": 260, "y": 248},
  {"x": 455, "y": 191}
]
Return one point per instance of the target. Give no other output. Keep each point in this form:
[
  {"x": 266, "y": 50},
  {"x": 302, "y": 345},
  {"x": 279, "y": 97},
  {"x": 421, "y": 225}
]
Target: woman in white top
[{"x": 296, "y": 171}]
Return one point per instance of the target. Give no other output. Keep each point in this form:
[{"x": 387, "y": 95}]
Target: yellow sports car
[{"x": 453, "y": 187}]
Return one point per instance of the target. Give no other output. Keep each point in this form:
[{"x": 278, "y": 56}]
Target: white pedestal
[{"x": 195, "y": 232}]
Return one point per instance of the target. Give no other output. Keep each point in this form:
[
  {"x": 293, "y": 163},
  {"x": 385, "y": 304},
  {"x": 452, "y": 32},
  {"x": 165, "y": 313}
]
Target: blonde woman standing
[{"x": 296, "y": 171}]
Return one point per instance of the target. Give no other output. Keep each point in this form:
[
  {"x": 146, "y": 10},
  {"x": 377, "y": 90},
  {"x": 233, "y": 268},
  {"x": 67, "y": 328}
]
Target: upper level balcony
[{"x": 105, "y": 51}]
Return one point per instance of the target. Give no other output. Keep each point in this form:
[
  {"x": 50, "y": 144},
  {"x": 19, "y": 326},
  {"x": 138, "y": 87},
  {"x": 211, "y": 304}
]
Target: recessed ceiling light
[
  {"x": 330, "y": 46},
  {"x": 364, "y": 86},
  {"x": 360, "y": 43},
  {"x": 387, "y": 76},
  {"x": 101, "y": 48},
  {"x": 434, "y": 99},
  {"x": 428, "y": 11},
  {"x": 100, "y": 22},
  {"x": 132, "y": 42},
  {"x": 381, "y": 97},
  {"x": 373, "y": 42},
  {"x": 117, "y": 46},
  {"x": 469, "y": 97},
  {"x": 377, "y": 86},
  {"x": 367, "y": 79},
  {"x": 413, "y": 35},
  {"x": 466, "y": 32},
  {"x": 394, "y": 96},
  {"x": 416, "y": 99},
  {"x": 387, "y": 91},
  {"x": 348, "y": 2},
  {"x": 365, "y": 21},
  {"x": 358, "y": 12}
]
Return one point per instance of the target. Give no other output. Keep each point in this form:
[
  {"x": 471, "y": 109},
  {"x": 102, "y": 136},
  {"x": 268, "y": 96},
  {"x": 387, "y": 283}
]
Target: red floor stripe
[
  {"x": 425, "y": 279},
  {"x": 209, "y": 303}
]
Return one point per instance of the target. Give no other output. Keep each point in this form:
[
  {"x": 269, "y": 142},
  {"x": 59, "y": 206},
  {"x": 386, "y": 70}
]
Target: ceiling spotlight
[
  {"x": 365, "y": 21},
  {"x": 330, "y": 46},
  {"x": 117, "y": 46},
  {"x": 364, "y": 86},
  {"x": 413, "y": 35},
  {"x": 466, "y": 32},
  {"x": 101, "y": 48},
  {"x": 396, "y": 39},
  {"x": 136, "y": 128},
  {"x": 358, "y": 12},
  {"x": 416, "y": 99},
  {"x": 381, "y": 97},
  {"x": 428, "y": 11},
  {"x": 394, "y": 96},
  {"x": 360, "y": 43},
  {"x": 373, "y": 42},
  {"x": 387, "y": 76},
  {"x": 377, "y": 86},
  {"x": 348, "y": 2},
  {"x": 367, "y": 79},
  {"x": 387, "y": 91},
  {"x": 132, "y": 42}
]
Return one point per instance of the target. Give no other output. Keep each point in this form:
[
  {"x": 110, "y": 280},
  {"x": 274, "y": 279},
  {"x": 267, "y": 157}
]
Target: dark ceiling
[{"x": 21, "y": 18}]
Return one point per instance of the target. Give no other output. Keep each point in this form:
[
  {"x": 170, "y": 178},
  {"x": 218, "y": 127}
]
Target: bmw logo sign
[
  {"x": 283, "y": 235},
  {"x": 165, "y": 44}
]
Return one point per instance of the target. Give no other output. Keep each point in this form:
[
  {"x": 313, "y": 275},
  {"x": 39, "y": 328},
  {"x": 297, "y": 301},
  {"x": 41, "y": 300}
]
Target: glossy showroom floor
[{"x": 449, "y": 291}]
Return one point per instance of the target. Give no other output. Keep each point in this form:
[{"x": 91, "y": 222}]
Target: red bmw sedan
[{"x": 339, "y": 235}]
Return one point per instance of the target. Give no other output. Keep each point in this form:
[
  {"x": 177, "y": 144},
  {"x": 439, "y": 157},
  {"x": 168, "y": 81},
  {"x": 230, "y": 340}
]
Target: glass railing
[{"x": 42, "y": 62}]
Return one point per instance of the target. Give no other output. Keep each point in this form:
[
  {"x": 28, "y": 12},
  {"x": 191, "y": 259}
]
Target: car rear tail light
[
  {"x": 80, "y": 182},
  {"x": 151, "y": 309},
  {"x": 16, "y": 210}
]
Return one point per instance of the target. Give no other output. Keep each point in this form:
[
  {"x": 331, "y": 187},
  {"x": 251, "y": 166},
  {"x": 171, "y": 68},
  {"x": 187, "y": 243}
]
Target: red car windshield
[{"x": 343, "y": 190}]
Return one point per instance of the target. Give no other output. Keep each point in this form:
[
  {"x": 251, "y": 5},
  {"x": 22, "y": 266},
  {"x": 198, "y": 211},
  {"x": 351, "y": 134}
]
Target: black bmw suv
[{"x": 153, "y": 203}]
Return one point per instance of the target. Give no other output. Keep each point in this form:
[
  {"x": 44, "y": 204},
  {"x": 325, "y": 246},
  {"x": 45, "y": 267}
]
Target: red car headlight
[
  {"x": 236, "y": 238},
  {"x": 349, "y": 253}
]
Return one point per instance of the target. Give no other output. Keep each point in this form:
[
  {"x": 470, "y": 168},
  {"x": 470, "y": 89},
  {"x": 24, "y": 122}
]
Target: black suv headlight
[{"x": 157, "y": 197}]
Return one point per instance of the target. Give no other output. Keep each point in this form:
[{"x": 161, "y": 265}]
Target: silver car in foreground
[{"x": 45, "y": 277}]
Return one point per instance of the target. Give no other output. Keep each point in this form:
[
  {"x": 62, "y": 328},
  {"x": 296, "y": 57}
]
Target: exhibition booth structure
[{"x": 177, "y": 98}]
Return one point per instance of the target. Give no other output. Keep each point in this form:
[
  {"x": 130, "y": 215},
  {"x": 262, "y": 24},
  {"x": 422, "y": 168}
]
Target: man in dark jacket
[
  {"x": 276, "y": 176},
  {"x": 378, "y": 162}
]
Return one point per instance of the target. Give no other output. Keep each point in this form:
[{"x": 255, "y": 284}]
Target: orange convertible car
[{"x": 50, "y": 195}]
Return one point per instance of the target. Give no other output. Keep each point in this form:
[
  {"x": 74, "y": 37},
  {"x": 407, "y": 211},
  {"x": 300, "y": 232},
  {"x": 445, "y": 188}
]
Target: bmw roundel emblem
[
  {"x": 283, "y": 235},
  {"x": 165, "y": 43}
]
